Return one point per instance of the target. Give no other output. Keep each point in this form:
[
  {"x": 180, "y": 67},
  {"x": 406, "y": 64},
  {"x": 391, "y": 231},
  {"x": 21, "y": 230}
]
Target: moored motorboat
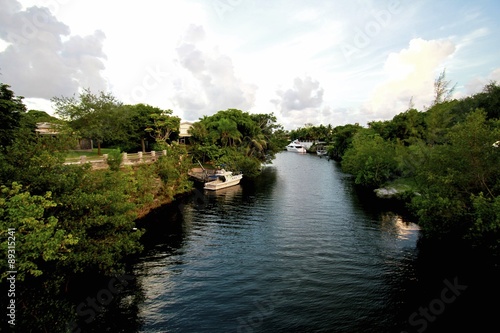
[
  {"x": 321, "y": 152},
  {"x": 222, "y": 180},
  {"x": 296, "y": 147}
]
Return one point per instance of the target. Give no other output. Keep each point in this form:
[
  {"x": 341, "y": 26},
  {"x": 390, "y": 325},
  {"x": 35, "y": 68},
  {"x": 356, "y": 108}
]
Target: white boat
[
  {"x": 223, "y": 179},
  {"x": 321, "y": 152},
  {"x": 296, "y": 147}
]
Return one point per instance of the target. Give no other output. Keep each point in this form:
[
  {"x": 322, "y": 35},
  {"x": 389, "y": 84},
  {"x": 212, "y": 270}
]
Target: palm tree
[
  {"x": 228, "y": 131},
  {"x": 256, "y": 146}
]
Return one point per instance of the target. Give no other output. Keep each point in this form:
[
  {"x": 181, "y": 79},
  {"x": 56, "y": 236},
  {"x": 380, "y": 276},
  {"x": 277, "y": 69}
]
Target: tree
[
  {"x": 342, "y": 139},
  {"x": 32, "y": 117},
  {"x": 98, "y": 208},
  {"x": 11, "y": 111},
  {"x": 488, "y": 100},
  {"x": 228, "y": 132},
  {"x": 455, "y": 176},
  {"x": 256, "y": 145},
  {"x": 203, "y": 143},
  {"x": 442, "y": 89},
  {"x": 93, "y": 116},
  {"x": 41, "y": 238},
  {"x": 164, "y": 125},
  {"x": 237, "y": 139},
  {"x": 371, "y": 159},
  {"x": 439, "y": 120},
  {"x": 199, "y": 132},
  {"x": 136, "y": 119}
]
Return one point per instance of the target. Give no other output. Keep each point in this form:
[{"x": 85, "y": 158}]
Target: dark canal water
[{"x": 299, "y": 250}]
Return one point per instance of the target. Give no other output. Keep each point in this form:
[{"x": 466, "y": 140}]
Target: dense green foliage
[
  {"x": 92, "y": 116},
  {"x": 371, "y": 159},
  {"x": 43, "y": 241},
  {"x": 310, "y": 132},
  {"x": 70, "y": 218},
  {"x": 454, "y": 174},
  {"x": 105, "y": 120},
  {"x": 135, "y": 120},
  {"x": 11, "y": 110},
  {"x": 237, "y": 140},
  {"x": 450, "y": 153}
]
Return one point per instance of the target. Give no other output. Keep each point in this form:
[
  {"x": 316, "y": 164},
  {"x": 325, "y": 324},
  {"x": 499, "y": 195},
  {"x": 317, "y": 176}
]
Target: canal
[
  {"x": 299, "y": 249},
  {"x": 294, "y": 251}
]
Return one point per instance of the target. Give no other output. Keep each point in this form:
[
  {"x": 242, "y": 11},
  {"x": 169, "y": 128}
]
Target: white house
[
  {"x": 184, "y": 131},
  {"x": 46, "y": 129}
]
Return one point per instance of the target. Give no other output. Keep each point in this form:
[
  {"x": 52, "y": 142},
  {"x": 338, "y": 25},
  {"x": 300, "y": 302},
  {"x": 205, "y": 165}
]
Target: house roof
[
  {"x": 184, "y": 129},
  {"x": 46, "y": 128}
]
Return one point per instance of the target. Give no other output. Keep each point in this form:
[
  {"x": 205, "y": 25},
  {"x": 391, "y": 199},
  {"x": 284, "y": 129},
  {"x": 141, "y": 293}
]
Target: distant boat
[
  {"x": 296, "y": 147},
  {"x": 321, "y": 152},
  {"x": 223, "y": 179}
]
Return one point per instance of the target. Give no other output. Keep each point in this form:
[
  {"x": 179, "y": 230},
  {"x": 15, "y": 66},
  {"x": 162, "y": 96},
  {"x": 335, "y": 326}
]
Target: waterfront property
[
  {"x": 184, "y": 134},
  {"x": 100, "y": 162}
]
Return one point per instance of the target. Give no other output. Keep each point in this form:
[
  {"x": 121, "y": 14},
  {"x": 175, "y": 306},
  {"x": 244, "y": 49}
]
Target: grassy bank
[{"x": 88, "y": 153}]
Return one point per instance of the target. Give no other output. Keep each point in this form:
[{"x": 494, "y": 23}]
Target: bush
[
  {"x": 26, "y": 218},
  {"x": 115, "y": 158},
  {"x": 371, "y": 159}
]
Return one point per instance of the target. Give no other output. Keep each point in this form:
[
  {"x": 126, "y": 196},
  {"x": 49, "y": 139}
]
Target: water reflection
[
  {"x": 225, "y": 194},
  {"x": 394, "y": 224}
]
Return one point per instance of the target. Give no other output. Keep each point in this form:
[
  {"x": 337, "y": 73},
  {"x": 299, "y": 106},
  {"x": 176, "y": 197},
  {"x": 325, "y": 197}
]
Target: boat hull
[
  {"x": 219, "y": 184},
  {"x": 296, "y": 147},
  {"x": 296, "y": 150}
]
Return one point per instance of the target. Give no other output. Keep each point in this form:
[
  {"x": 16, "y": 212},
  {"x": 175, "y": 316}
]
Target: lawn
[
  {"x": 93, "y": 153},
  {"x": 402, "y": 185}
]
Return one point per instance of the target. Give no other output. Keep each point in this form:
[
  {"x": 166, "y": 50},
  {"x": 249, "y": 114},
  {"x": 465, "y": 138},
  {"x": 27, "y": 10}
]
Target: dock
[{"x": 201, "y": 175}]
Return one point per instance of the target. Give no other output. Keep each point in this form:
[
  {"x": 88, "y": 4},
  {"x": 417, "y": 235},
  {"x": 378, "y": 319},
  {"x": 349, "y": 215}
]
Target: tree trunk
[{"x": 143, "y": 144}]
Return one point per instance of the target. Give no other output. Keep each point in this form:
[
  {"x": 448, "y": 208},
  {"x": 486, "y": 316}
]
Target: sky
[{"x": 308, "y": 62}]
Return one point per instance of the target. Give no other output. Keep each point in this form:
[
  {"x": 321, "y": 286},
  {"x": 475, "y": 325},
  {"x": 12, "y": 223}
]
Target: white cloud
[
  {"x": 301, "y": 103},
  {"x": 305, "y": 94},
  {"x": 472, "y": 37},
  {"x": 42, "y": 60},
  {"x": 409, "y": 73},
  {"x": 477, "y": 83},
  {"x": 210, "y": 82}
]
